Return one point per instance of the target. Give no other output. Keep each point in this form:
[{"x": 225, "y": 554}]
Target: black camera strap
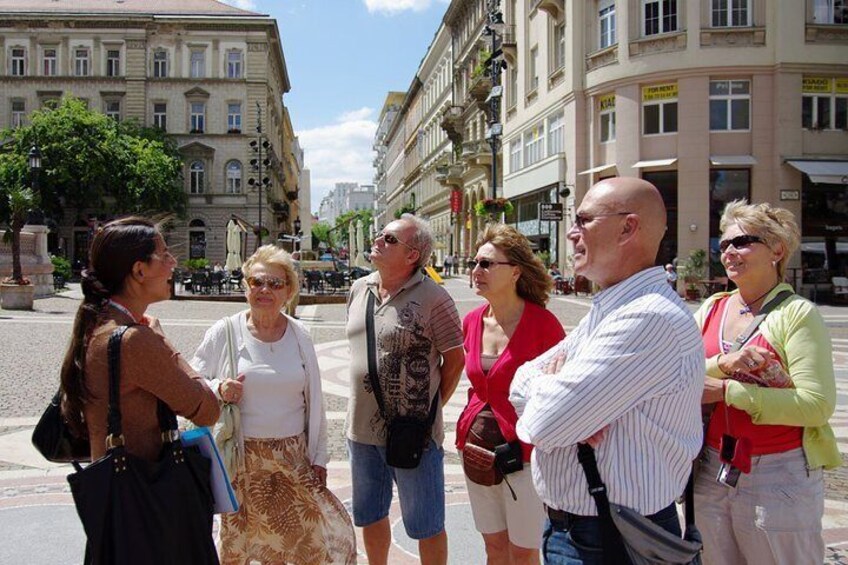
[{"x": 372, "y": 364}]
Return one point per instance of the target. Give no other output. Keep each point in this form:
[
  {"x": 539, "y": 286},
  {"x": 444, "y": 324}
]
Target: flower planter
[{"x": 16, "y": 296}]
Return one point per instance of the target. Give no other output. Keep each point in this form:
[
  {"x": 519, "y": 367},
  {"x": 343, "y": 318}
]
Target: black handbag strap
[
  {"x": 372, "y": 364},
  {"x": 613, "y": 545},
  {"x": 166, "y": 416}
]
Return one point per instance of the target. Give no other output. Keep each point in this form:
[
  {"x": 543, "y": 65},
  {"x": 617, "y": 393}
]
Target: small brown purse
[{"x": 478, "y": 455}]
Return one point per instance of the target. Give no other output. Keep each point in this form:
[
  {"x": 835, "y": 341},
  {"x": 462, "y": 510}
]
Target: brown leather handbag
[{"x": 478, "y": 455}]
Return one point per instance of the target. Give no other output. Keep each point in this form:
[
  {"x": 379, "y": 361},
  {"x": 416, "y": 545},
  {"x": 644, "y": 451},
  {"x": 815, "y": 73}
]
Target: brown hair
[
  {"x": 534, "y": 284},
  {"x": 113, "y": 252}
]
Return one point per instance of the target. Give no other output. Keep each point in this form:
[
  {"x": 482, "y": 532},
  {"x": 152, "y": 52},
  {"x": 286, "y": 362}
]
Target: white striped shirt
[{"x": 635, "y": 363}]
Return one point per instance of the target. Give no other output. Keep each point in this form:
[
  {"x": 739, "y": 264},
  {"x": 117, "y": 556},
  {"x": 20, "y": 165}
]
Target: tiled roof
[{"x": 129, "y": 7}]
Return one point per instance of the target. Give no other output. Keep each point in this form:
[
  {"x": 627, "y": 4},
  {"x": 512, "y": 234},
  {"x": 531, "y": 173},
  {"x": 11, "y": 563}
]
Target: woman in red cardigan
[{"x": 511, "y": 328}]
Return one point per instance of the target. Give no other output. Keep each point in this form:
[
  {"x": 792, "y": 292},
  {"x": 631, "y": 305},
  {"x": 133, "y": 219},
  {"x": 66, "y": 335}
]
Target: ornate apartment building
[
  {"x": 201, "y": 70},
  {"x": 710, "y": 100}
]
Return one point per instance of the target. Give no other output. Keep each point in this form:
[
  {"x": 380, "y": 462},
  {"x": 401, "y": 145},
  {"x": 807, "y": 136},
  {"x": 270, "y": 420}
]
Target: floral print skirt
[{"x": 285, "y": 514}]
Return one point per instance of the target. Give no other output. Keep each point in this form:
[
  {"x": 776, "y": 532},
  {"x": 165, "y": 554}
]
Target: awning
[
  {"x": 824, "y": 172},
  {"x": 597, "y": 169},
  {"x": 732, "y": 160},
  {"x": 655, "y": 163}
]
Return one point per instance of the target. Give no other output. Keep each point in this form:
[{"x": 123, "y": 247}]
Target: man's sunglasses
[
  {"x": 485, "y": 263},
  {"x": 739, "y": 241},
  {"x": 580, "y": 220},
  {"x": 392, "y": 239},
  {"x": 274, "y": 283}
]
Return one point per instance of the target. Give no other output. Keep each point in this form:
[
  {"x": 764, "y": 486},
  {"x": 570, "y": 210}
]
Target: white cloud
[
  {"x": 243, "y": 4},
  {"x": 340, "y": 152},
  {"x": 391, "y": 7}
]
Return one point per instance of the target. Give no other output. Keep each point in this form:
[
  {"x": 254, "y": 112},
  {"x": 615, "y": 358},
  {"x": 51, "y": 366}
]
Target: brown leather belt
[{"x": 563, "y": 519}]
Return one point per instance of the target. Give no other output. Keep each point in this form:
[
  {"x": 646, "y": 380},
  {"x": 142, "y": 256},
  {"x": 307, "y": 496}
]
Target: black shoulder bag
[
  {"x": 55, "y": 440},
  {"x": 406, "y": 436},
  {"x": 139, "y": 512}
]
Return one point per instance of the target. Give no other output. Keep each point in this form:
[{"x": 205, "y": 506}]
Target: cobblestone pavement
[{"x": 34, "y": 496}]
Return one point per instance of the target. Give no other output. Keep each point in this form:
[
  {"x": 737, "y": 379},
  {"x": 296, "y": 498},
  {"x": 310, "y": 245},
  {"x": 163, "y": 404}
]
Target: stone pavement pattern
[{"x": 36, "y": 510}]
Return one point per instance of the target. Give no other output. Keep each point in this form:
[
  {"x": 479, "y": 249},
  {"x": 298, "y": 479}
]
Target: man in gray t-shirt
[{"x": 419, "y": 353}]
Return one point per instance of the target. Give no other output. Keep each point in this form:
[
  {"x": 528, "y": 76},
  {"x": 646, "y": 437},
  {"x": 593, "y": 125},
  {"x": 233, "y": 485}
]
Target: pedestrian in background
[
  {"x": 510, "y": 328},
  {"x": 775, "y": 395},
  {"x": 417, "y": 350},
  {"x": 447, "y": 264},
  {"x": 633, "y": 367},
  {"x": 286, "y": 513}
]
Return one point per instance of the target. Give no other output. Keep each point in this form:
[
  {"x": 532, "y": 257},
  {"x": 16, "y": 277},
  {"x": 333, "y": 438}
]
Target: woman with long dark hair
[{"x": 130, "y": 268}]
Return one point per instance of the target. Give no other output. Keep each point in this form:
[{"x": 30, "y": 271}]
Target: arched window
[
  {"x": 233, "y": 177},
  {"x": 197, "y": 224},
  {"x": 196, "y": 177},
  {"x": 196, "y": 239}
]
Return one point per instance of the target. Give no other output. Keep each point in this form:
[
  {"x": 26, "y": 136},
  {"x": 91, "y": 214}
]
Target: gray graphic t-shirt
[{"x": 412, "y": 329}]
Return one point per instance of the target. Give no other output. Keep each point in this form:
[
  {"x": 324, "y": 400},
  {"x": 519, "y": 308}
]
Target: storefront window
[
  {"x": 824, "y": 221},
  {"x": 666, "y": 183},
  {"x": 726, "y": 185}
]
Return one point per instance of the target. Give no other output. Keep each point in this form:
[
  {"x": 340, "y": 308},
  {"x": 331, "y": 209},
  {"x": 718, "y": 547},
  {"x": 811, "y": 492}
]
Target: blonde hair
[
  {"x": 533, "y": 284},
  {"x": 270, "y": 254},
  {"x": 777, "y": 226}
]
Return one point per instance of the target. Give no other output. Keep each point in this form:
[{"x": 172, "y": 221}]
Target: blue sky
[{"x": 343, "y": 57}]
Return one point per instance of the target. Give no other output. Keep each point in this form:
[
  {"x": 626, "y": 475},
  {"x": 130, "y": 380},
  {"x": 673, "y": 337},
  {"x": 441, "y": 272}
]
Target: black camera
[{"x": 509, "y": 457}]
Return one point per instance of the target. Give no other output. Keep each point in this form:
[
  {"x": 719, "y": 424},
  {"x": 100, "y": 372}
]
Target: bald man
[{"x": 627, "y": 379}]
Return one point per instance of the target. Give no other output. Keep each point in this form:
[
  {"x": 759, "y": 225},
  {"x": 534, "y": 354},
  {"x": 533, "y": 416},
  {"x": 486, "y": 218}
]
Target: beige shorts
[{"x": 494, "y": 509}]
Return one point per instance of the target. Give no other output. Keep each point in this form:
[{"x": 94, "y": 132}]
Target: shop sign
[
  {"x": 659, "y": 92},
  {"x": 607, "y": 102},
  {"x": 817, "y": 85},
  {"x": 456, "y": 201},
  {"x": 790, "y": 195},
  {"x": 550, "y": 211},
  {"x": 841, "y": 85}
]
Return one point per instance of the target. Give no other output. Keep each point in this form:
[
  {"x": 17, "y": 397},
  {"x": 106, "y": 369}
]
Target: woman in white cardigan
[{"x": 287, "y": 514}]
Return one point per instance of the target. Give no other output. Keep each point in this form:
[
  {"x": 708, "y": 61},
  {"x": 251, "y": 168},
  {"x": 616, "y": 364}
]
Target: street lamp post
[
  {"x": 297, "y": 225},
  {"x": 36, "y": 216},
  {"x": 259, "y": 146},
  {"x": 494, "y": 27}
]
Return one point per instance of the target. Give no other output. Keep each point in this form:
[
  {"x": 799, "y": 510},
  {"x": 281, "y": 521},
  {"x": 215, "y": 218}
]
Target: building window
[
  {"x": 196, "y": 177},
  {"x": 160, "y": 115},
  {"x": 113, "y": 62},
  {"x": 198, "y": 63},
  {"x": 18, "y": 113},
  {"x": 830, "y": 12},
  {"x": 233, "y": 177},
  {"x": 534, "y": 144},
  {"x": 659, "y": 109},
  {"x": 113, "y": 109},
  {"x": 18, "y": 62},
  {"x": 559, "y": 46},
  {"x": 534, "y": 68},
  {"x": 606, "y": 18},
  {"x": 660, "y": 16},
  {"x": 49, "y": 60},
  {"x": 726, "y": 185},
  {"x": 731, "y": 13},
  {"x": 515, "y": 155},
  {"x": 160, "y": 63},
  {"x": 556, "y": 128},
  {"x": 234, "y": 117},
  {"x": 512, "y": 90},
  {"x": 606, "y": 106},
  {"x": 730, "y": 105},
  {"x": 198, "y": 117},
  {"x": 82, "y": 66},
  {"x": 234, "y": 64},
  {"x": 824, "y": 104}
]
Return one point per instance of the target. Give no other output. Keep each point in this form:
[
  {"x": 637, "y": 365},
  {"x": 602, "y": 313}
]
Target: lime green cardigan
[{"x": 798, "y": 333}]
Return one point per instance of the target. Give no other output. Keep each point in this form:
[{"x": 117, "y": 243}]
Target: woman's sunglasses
[
  {"x": 485, "y": 263},
  {"x": 739, "y": 242},
  {"x": 274, "y": 283}
]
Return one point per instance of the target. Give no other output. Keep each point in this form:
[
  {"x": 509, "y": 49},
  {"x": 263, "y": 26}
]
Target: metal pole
[
  {"x": 494, "y": 65},
  {"x": 259, "y": 154}
]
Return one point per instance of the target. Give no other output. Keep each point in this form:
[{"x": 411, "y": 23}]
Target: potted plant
[
  {"x": 16, "y": 291},
  {"x": 493, "y": 207},
  {"x": 694, "y": 271}
]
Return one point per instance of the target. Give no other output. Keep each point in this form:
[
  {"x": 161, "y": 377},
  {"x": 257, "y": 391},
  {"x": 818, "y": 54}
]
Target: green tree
[
  {"x": 321, "y": 233},
  {"x": 93, "y": 162},
  {"x": 340, "y": 232},
  {"x": 19, "y": 201}
]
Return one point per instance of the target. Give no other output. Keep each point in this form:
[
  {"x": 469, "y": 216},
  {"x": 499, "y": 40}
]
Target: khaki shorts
[{"x": 494, "y": 509}]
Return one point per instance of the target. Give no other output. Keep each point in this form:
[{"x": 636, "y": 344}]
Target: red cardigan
[{"x": 537, "y": 331}]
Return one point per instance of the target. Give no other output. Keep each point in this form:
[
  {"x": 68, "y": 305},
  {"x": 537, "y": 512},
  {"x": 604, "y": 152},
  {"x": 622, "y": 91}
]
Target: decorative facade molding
[
  {"x": 666, "y": 43},
  {"x": 730, "y": 37},
  {"x": 826, "y": 34},
  {"x": 602, "y": 58}
]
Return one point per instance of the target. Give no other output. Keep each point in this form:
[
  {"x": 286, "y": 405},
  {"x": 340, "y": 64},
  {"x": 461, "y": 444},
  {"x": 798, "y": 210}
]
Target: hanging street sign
[{"x": 550, "y": 211}]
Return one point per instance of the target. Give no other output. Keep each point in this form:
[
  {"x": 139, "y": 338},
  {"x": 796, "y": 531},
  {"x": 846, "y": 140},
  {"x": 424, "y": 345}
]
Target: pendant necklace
[{"x": 746, "y": 306}]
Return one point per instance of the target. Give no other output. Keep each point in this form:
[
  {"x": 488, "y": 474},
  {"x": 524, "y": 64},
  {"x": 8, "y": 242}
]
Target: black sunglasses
[
  {"x": 739, "y": 241},
  {"x": 392, "y": 239},
  {"x": 580, "y": 220},
  {"x": 485, "y": 263}
]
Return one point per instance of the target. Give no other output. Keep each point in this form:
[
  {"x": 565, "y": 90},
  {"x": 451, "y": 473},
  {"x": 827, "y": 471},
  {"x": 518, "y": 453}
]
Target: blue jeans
[
  {"x": 581, "y": 542},
  {"x": 421, "y": 490}
]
